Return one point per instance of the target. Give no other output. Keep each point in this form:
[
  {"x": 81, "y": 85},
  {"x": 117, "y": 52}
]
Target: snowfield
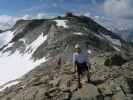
[
  {"x": 61, "y": 23},
  {"x": 6, "y": 37},
  {"x": 16, "y": 65}
]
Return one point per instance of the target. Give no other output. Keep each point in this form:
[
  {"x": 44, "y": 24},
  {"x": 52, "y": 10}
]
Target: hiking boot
[
  {"x": 79, "y": 86},
  {"x": 88, "y": 80}
]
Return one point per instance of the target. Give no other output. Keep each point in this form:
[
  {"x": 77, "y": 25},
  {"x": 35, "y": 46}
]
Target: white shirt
[{"x": 80, "y": 57}]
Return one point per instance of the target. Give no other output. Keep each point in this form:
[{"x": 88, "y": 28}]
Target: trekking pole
[{"x": 123, "y": 90}]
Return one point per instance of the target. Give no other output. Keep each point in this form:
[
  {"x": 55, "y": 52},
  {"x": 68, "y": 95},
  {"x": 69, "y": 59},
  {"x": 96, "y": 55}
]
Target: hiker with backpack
[{"x": 80, "y": 60}]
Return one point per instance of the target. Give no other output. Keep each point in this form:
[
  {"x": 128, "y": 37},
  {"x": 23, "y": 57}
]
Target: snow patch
[
  {"x": 61, "y": 23},
  {"x": 114, "y": 41},
  {"x": 99, "y": 36},
  {"x": 116, "y": 48},
  {"x": 35, "y": 44},
  {"x": 78, "y": 33},
  {"x": 9, "y": 85},
  {"x": 16, "y": 65},
  {"x": 6, "y": 37},
  {"x": 8, "y": 46},
  {"x": 23, "y": 40}
]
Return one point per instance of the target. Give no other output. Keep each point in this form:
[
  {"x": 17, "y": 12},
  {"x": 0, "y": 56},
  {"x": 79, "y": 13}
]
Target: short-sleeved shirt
[{"x": 80, "y": 57}]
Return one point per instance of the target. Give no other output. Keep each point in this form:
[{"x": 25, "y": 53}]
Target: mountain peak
[{"x": 43, "y": 51}]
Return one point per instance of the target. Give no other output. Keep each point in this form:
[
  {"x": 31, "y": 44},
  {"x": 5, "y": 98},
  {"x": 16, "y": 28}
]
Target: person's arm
[{"x": 88, "y": 58}]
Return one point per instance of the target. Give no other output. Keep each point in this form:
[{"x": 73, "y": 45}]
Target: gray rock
[
  {"x": 105, "y": 89},
  {"x": 41, "y": 94},
  {"x": 119, "y": 96},
  {"x": 88, "y": 92},
  {"x": 28, "y": 94},
  {"x": 55, "y": 82}
]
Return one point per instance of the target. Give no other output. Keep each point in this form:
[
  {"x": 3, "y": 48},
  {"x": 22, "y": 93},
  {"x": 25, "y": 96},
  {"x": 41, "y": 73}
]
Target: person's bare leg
[
  {"x": 88, "y": 76},
  {"x": 79, "y": 84},
  {"x": 88, "y": 73}
]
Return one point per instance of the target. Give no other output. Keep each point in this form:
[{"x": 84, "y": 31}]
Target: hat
[
  {"x": 89, "y": 51},
  {"x": 77, "y": 46}
]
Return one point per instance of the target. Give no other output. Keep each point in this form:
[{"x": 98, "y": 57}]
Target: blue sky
[
  {"x": 59, "y": 7},
  {"x": 21, "y": 7}
]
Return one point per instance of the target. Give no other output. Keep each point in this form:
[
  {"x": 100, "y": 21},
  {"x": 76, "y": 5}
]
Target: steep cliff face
[{"x": 37, "y": 46}]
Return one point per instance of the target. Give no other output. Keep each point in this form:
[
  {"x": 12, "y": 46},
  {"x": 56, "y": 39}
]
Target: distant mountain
[
  {"x": 39, "y": 53},
  {"x": 74, "y": 27},
  {"x": 5, "y": 26},
  {"x": 126, "y": 34},
  {"x": 108, "y": 23}
]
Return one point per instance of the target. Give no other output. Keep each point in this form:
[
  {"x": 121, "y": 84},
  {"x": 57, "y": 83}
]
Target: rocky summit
[{"x": 49, "y": 44}]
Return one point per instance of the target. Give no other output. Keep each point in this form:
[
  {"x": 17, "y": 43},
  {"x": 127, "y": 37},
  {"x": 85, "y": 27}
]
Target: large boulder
[
  {"x": 115, "y": 59},
  {"x": 87, "y": 92}
]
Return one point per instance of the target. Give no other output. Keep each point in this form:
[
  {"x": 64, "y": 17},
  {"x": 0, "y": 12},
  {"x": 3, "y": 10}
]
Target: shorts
[{"x": 81, "y": 67}]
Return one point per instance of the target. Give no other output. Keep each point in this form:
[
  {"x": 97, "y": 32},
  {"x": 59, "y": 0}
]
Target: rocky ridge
[{"x": 54, "y": 79}]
